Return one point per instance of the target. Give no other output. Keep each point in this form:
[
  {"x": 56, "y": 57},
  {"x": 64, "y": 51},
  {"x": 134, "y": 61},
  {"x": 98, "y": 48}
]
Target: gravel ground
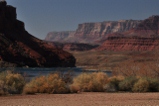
[{"x": 82, "y": 99}]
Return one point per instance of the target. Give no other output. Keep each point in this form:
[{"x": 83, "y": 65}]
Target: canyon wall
[
  {"x": 92, "y": 32},
  {"x": 144, "y": 37},
  {"x": 62, "y": 36},
  {"x": 130, "y": 44},
  {"x": 20, "y": 49},
  {"x": 137, "y": 35}
]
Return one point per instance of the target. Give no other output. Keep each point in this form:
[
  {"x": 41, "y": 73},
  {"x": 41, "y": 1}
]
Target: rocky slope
[
  {"x": 73, "y": 46},
  {"x": 144, "y": 37},
  {"x": 19, "y": 48},
  {"x": 92, "y": 32}
]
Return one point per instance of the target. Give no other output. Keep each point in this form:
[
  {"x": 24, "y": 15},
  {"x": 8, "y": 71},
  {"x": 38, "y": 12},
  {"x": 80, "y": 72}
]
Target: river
[{"x": 30, "y": 73}]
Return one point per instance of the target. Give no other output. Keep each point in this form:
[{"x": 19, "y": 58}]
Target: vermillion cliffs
[
  {"x": 92, "y": 33},
  {"x": 144, "y": 37},
  {"x": 19, "y": 48},
  {"x": 130, "y": 35}
]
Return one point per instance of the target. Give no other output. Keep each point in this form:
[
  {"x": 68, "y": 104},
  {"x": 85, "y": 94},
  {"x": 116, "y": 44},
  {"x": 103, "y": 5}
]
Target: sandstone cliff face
[
  {"x": 144, "y": 37},
  {"x": 19, "y": 48},
  {"x": 130, "y": 44},
  {"x": 93, "y": 32}
]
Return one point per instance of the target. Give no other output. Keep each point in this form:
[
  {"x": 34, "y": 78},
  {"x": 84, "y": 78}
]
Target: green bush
[
  {"x": 46, "y": 84},
  {"x": 113, "y": 83},
  {"x": 11, "y": 83},
  {"x": 154, "y": 84},
  {"x": 146, "y": 84},
  {"x": 128, "y": 83},
  {"x": 89, "y": 82}
]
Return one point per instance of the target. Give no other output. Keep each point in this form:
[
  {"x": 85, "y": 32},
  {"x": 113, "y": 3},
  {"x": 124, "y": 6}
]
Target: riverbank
[{"x": 82, "y": 99}]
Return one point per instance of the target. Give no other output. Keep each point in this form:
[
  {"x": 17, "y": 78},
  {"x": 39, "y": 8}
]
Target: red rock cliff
[
  {"x": 19, "y": 48},
  {"x": 144, "y": 37}
]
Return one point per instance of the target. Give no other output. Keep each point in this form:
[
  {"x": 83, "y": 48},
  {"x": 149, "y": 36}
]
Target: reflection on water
[{"x": 30, "y": 73}]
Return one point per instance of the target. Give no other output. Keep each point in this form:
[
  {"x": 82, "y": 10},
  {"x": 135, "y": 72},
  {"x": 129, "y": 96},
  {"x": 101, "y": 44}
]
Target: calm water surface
[{"x": 34, "y": 72}]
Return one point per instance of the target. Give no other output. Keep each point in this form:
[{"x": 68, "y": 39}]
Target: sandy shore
[{"x": 83, "y": 99}]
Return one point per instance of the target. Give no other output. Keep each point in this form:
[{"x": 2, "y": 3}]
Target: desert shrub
[
  {"x": 153, "y": 84},
  {"x": 146, "y": 84},
  {"x": 11, "y": 83},
  {"x": 113, "y": 83},
  {"x": 89, "y": 82},
  {"x": 81, "y": 82},
  {"x": 142, "y": 85},
  {"x": 46, "y": 84},
  {"x": 128, "y": 83},
  {"x": 2, "y": 89},
  {"x": 15, "y": 83},
  {"x": 67, "y": 77}
]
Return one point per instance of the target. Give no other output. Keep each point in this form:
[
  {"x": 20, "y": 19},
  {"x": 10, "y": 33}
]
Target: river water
[{"x": 30, "y": 73}]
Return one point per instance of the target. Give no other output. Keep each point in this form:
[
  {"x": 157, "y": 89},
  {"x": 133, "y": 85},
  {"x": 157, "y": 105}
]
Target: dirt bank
[{"x": 82, "y": 99}]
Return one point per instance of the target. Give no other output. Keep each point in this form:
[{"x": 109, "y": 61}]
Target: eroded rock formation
[
  {"x": 63, "y": 36},
  {"x": 19, "y": 48},
  {"x": 92, "y": 32},
  {"x": 144, "y": 37}
]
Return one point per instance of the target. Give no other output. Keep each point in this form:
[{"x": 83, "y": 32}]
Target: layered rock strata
[
  {"x": 144, "y": 37},
  {"x": 130, "y": 44},
  {"x": 92, "y": 32}
]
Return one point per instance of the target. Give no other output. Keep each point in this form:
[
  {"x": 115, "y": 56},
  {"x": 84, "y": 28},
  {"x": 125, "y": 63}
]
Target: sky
[{"x": 44, "y": 16}]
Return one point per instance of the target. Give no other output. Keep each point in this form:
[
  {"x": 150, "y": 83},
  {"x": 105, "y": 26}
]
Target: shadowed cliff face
[
  {"x": 144, "y": 37},
  {"x": 19, "y": 48}
]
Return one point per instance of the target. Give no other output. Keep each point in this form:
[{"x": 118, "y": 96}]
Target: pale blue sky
[{"x": 43, "y": 16}]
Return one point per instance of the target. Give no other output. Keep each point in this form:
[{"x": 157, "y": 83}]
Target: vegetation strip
[{"x": 13, "y": 83}]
